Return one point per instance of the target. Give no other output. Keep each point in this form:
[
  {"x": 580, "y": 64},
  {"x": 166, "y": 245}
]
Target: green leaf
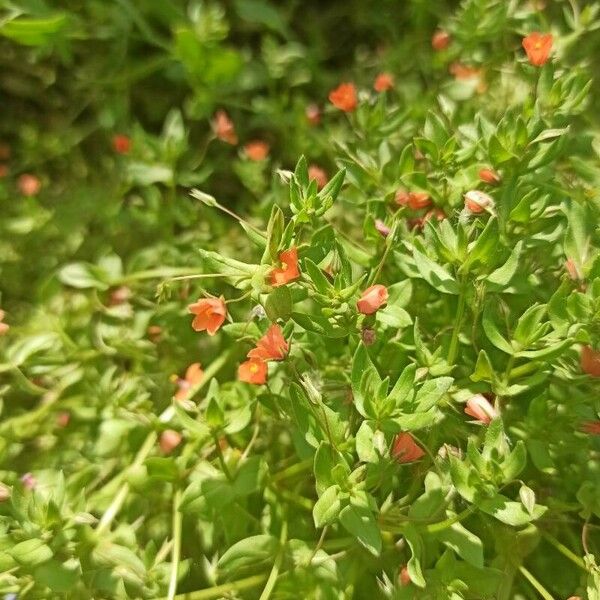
[
  {"x": 279, "y": 304},
  {"x": 466, "y": 544},
  {"x": 275, "y": 229},
  {"x": 361, "y": 523},
  {"x": 417, "y": 548},
  {"x": 30, "y": 552},
  {"x": 549, "y": 134},
  {"x": 60, "y": 578},
  {"x": 320, "y": 325},
  {"x": 483, "y": 368},
  {"x": 502, "y": 276},
  {"x": 33, "y": 32},
  {"x": 492, "y": 332},
  {"x": 402, "y": 392},
  {"x": 327, "y": 508},
  {"x": 252, "y": 551},
  {"x": 527, "y": 496},
  {"x": 431, "y": 392},
  {"x": 435, "y": 275},
  {"x": 509, "y": 512},
  {"x": 529, "y": 324}
]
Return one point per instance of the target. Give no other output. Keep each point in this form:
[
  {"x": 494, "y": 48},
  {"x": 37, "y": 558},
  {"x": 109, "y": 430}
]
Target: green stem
[
  {"x": 460, "y": 311},
  {"x": 270, "y": 585},
  {"x": 435, "y": 527},
  {"x": 221, "y": 458},
  {"x": 543, "y": 592},
  {"x": 523, "y": 370},
  {"x": 176, "y": 550},
  {"x": 219, "y": 591},
  {"x": 292, "y": 470},
  {"x": 564, "y": 550}
]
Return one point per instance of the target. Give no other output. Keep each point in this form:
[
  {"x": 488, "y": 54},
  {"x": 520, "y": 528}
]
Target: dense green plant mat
[{"x": 299, "y": 300}]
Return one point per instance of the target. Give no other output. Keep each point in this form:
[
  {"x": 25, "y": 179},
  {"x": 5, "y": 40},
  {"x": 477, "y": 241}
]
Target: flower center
[{"x": 254, "y": 368}]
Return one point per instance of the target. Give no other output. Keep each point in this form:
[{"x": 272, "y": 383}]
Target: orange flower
[
  {"x": 405, "y": 449},
  {"x": 591, "y": 427},
  {"x": 590, "y": 361},
  {"x": 210, "y": 314},
  {"x": 313, "y": 114},
  {"x": 29, "y": 185},
  {"x": 4, "y": 327},
  {"x": 315, "y": 172},
  {"x": 489, "y": 176},
  {"x": 414, "y": 200},
  {"x": 372, "y": 299},
  {"x": 440, "y": 40},
  {"x": 344, "y": 97},
  {"x": 169, "y": 440},
  {"x": 119, "y": 295},
  {"x": 223, "y": 128},
  {"x": 271, "y": 346},
  {"x": 384, "y": 82},
  {"x": 478, "y": 202},
  {"x": 288, "y": 270},
  {"x": 480, "y": 409},
  {"x": 193, "y": 376},
  {"x": 404, "y": 577},
  {"x": 253, "y": 371},
  {"x": 121, "y": 143},
  {"x": 538, "y": 46},
  {"x": 257, "y": 150},
  {"x": 461, "y": 71}
]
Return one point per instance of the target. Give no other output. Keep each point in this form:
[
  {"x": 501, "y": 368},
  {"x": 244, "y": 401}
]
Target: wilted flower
[
  {"x": 344, "y": 97},
  {"x": 440, "y": 40},
  {"x": 313, "y": 114},
  {"x": 478, "y": 202},
  {"x": 257, "y": 150},
  {"x": 5, "y": 492},
  {"x": 573, "y": 270},
  {"x": 193, "y": 376},
  {"x": 538, "y": 47},
  {"x": 63, "y": 418},
  {"x": 154, "y": 333},
  {"x": 315, "y": 172},
  {"x": 253, "y": 371},
  {"x": 404, "y": 577},
  {"x": 382, "y": 228},
  {"x": 590, "y": 361},
  {"x": 591, "y": 427},
  {"x": 368, "y": 336},
  {"x": 405, "y": 449},
  {"x": 480, "y": 409},
  {"x": 121, "y": 143},
  {"x": 271, "y": 346},
  {"x": 119, "y": 295},
  {"x": 383, "y": 82},
  {"x": 223, "y": 128},
  {"x": 288, "y": 270},
  {"x": 29, "y": 185},
  {"x": 4, "y": 327},
  {"x": 210, "y": 314},
  {"x": 489, "y": 176},
  {"x": 372, "y": 299},
  {"x": 169, "y": 440}
]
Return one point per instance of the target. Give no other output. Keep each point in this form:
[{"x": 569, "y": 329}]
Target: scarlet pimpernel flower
[
  {"x": 288, "y": 271},
  {"x": 538, "y": 47},
  {"x": 193, "y": 376},
  {"x": 253, "y": 371},
  {"x": 344, "y": 97},
  {"x": 272, "y": 346},
  {"x": 372, "y": 299},
  {"x": 405, "y": 449},
  {"x": 210, "y": 314}
]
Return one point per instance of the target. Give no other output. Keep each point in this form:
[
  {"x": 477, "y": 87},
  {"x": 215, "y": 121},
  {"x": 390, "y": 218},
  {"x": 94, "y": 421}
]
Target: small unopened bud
[
  {"x": 29, "y": 481},
  {"x": 404, "y": 577},
  {"x": 489, "y": 176},
  {"x": 284, "y": 175},
  {"x": 311, "y": 389},
  {"x": 63, "y": 418},
  {"x": 204, "y": 197},
  {"x": 382, "y": 228}
]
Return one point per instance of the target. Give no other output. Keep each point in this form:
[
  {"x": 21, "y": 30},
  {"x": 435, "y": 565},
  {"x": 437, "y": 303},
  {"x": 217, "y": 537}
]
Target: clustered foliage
[{"x": 299, "y": 300}]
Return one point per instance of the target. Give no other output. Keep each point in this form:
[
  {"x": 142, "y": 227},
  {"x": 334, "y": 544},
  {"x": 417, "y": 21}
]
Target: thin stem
[
  {"x": 543, "y": 592},
  {"x": 221, "y": 458},
  {"x": 218, "y": 591},
  {"x": 564, "y": 550},
  {"x": 270, "y": 585},
  {"x": 176, "y": 549},
  {"x": 292, "y": 470},
  {"x": 435, "y": 527},
  {"x": 460, "y": 311}
]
